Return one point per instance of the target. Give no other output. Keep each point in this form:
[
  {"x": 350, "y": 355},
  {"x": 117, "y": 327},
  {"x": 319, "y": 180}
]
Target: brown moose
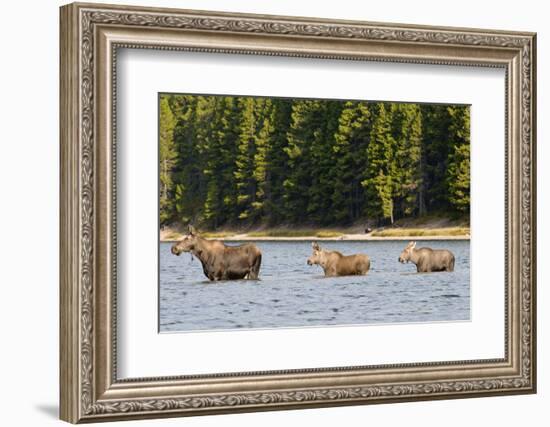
[
  {"x": 428, "y": 260},
  {"x": 336, "y": 264},
  {"x": 221, "y": 262}
]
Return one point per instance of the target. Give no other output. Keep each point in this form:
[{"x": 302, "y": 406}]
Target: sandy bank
[{"x": 350, "y": 237}]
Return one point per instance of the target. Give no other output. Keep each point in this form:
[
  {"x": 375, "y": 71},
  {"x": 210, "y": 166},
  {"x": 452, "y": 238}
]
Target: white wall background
[{"x": 29, "y": 170}]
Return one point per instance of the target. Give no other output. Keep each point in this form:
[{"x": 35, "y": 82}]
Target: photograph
[
  {"x": 263, "y": 210},
  {"x": 291, "y": 212}
]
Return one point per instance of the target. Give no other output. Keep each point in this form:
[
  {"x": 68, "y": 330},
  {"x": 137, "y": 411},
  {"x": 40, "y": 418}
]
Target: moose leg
[
  {"x": 255, "y": 269},
  {"x": 452, "y": 264},
  {"x": 207, "y": 273}
]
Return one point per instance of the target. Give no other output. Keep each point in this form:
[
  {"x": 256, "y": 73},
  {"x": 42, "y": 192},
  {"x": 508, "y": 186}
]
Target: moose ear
[
  {"x": 315, "y": 246},
  {"x": 191, "y": 230},
  {"x": 413, "y": 245}
]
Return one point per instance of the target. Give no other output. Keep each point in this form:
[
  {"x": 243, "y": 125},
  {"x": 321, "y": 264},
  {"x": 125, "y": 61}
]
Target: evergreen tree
[
  {"x": 304, "y": 123},
  {"x": 381, "y": 166},
  {"x": 221, "y": 197},
  {"x": 275, "y": 127},
  {"x": 229, "y": 134},
  {"x": 458, "y": 171},
  {"x": 246, "y": 152},
  {"x": 261, "y": 159},
  {"x": 350, "y": 157},
  {"x": 243, "y": 161},
  {"x": 321, "y": 162},
  {"x": 310, "y": 138},
  {"x": 435, "y": 154},
  {"x": 167, "y": 158},
  {"x": 188, "y": 174},
  {"x": 407, "y": 134}
]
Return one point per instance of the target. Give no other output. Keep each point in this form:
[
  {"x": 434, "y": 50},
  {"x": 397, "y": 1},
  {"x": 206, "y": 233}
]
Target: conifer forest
[{"x": 242, "y": 162}]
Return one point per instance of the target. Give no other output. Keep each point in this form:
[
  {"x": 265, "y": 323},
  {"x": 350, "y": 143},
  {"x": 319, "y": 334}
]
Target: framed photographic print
[{"x": 263, "y": 212}]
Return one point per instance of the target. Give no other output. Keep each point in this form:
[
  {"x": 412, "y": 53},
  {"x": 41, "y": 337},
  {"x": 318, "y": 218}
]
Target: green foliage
[
  {"x": 349, "y": 157},
  {"x": 381, "y": 165},
  {"x": 458, "y": 173},
  {"x": 394, "y": 162},
  {"x": 230, "y": 161},
  {"x": 304, "y": 138},
  {"x": 435, "y": 156},
  {"x": 246, "y": 148},
  {"x": 167, "y": 158},
  {"x": 276, "y": 124},
  {"x": 407, "y": 125}
]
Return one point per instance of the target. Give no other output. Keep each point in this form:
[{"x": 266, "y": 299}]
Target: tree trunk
[
  {"x": 165, "y": 186},
  {"x": 421, "y": 189}
]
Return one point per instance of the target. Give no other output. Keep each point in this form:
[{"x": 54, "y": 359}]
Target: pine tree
[
  {"x": 350, "y": 156},
  {"x": 304, "y": 137},
  {"x": 384, "y": 186},
  {"x": 220, "y": 202},
  {"x": 167, "y": 158},
  {"x": 246, "y": 151},
  {"x": 188, "y": 169},
  {"x": 261, "y": 159},
  {"x": 233, "y": 161},
  {"x": 322, "y": 123},
  {"x": 458, "y": 172},
  {"x": 407, "y": 134},
  {"x": 379, "y": 184},
  {"x": 229, "y": 135},
  {"x": 435, "y": 154},
  {"x": 275, "y": 128}
]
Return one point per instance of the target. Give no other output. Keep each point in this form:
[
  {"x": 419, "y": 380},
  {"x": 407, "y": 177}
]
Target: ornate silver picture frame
[{"x": 91, "y": 34}]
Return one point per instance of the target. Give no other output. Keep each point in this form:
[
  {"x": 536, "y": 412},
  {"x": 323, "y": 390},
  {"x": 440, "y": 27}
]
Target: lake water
[{"x": 291, "y": 293}]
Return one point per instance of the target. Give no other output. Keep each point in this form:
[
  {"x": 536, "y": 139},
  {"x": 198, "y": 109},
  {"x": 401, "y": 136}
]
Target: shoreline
[{"x": 344, "y": 237}]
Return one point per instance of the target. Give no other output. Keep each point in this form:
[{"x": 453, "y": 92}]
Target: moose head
[
  {"x": 407, "y": 252},
  {"x": 188, "y": 243}
]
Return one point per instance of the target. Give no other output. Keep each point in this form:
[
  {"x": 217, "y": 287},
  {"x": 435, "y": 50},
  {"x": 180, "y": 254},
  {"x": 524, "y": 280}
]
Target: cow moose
[
  {"x": 428, "y": 260},
  {"x": 219, "y": 261},
  {"x": 336, "y": 264}
]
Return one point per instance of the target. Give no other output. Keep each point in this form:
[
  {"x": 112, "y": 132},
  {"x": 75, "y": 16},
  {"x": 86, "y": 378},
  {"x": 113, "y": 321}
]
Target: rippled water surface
[{"x": 292, "y": 294}]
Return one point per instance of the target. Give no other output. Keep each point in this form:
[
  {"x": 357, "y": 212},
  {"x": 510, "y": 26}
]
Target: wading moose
[
  {"x": 427, "y": 259},
  {"x": 336, "y": 264},
  {"x": 221, "y": 262}
]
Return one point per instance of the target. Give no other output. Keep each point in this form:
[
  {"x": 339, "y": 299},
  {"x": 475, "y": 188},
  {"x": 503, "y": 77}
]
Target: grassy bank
[
  {"x": 422, "y": 232},
  {"x": 435, "y": 229},
  {"x": 169, "y": 235},
  {"x": 296, "y": 233}
]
